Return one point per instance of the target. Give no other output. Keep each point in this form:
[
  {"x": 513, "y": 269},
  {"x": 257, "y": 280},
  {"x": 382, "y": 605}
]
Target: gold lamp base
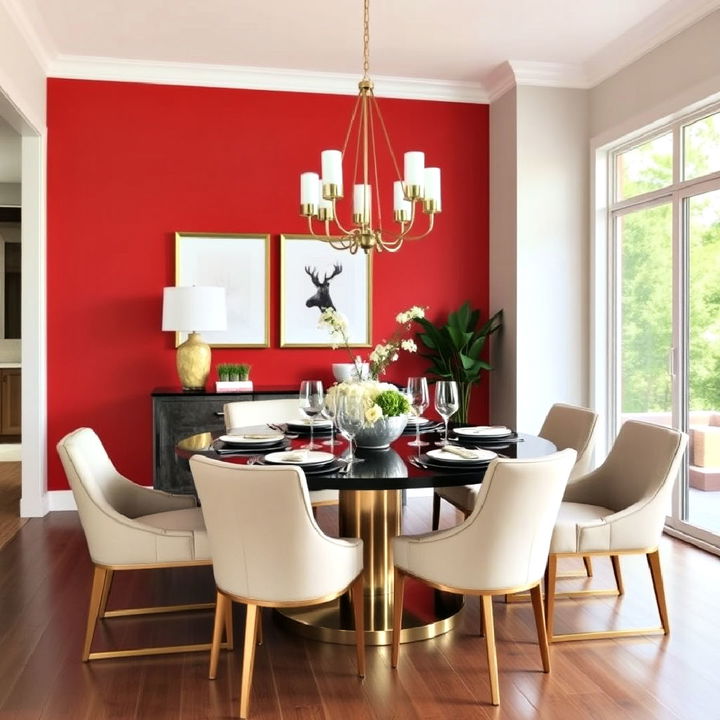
[{"x": 193, "y": 362}]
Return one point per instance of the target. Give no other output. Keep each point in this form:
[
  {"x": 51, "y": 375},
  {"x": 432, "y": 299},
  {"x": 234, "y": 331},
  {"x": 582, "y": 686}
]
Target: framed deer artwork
[
  {"x": 239, "y": 263},
  {"x": 313, "y": 276}
]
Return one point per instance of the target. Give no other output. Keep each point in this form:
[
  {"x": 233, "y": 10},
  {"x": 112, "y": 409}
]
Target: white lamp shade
[{"x": 194, "y": 309}]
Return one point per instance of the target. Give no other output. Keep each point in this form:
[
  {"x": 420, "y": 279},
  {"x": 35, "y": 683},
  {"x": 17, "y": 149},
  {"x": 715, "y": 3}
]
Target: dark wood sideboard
[{"x": 178, "y": 414}]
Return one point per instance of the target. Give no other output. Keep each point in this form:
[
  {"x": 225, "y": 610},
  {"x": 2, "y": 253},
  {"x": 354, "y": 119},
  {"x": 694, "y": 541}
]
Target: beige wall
[
  {"x": 538, "y": 251},
  {"x": 503, "y": 256},
  {"x": 22, "y": 79},
  {"x": 681, "y": 71}
]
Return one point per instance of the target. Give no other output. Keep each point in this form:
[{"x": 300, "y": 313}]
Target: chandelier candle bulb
[
  {"x": 431, "y": 198},
  {"x": 414, "y": 174},
  {"x": 309, "y": 193},
  {"x": 331, "y": 165},
  {"x": 361, "y": 203},
  {"x": 401, "y": 206}
]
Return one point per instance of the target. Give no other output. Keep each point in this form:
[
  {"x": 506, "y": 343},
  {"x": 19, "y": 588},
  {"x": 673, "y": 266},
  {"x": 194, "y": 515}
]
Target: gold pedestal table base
[{"x": 375, "y": 516}]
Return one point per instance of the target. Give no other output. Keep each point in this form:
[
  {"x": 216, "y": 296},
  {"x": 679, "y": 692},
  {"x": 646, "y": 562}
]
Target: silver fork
[{"x": 252, "y": 460}]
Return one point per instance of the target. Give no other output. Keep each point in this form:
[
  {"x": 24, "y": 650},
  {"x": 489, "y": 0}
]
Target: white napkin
[
  {"x": 297, "y": 456},
  {"x": 461, "y": 451},
  {"x": 260, "y": 436},
  {"x": 486, "y": 429}
]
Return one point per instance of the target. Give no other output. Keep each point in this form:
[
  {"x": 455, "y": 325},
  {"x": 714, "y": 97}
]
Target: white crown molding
[
  {"x": 499, "y": 80},
  {"x": 34, "y": 34},
  {"x": 228, "y": 76},
  {"x": 546, "y": 74},
  {"x": 666, "y": 22}
]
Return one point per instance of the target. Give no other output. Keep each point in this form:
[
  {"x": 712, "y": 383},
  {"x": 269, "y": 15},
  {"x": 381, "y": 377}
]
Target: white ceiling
[
  {"x": 453, "y": 43},
  {"x": 449, "y": 40}
]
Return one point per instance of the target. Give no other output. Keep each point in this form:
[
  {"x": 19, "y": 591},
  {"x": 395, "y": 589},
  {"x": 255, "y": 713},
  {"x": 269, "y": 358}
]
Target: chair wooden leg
[
  {"x": 550, "y": 580},
  {"x": 106, "y": 592},
  {"x": 588, "y": 565},
  {"x": 539, "y": 611},
  {"x": 96, "y": 594},
  {"x": 653, "y": 559},
  {"x": 229, "y": 626},
  {"x": 489, "y": 624},
  {"x": 436, "y": 511},
  {"x": 221, "y": 618},
  {"x": 399, "y": 580},
  {"x": 248, "y": 659},
  {"x": 615, "y": 560},
  {"x": 258, "y": 629},
  {"x": 357, "y": 598}
]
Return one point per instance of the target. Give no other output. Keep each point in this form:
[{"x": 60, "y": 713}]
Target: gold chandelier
[{"x": 419, "y": 186}]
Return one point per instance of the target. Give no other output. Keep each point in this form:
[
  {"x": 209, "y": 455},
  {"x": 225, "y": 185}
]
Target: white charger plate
[
  {"x": 413, "y": 420},
  {"x": 268, "y": 439},
  {"x": 443, "y": 456},
  {"x": 312, "y": 457},
  {"x": 484, "y": 431}
]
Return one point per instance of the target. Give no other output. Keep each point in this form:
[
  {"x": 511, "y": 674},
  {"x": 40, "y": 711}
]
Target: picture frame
[
  {"x": 350, "y": 291},
  {"x": 241, "y": 264}
]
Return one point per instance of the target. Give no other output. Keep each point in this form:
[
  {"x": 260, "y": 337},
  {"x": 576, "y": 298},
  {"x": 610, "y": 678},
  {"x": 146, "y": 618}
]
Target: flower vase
[{"x": 382, "y": 432}]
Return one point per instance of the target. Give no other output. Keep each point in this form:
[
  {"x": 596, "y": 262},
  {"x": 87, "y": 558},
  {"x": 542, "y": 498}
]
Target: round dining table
[{"x": 370, "y": 507}]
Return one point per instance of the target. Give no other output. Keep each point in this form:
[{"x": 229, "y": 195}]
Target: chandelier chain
[{"x": 366, "y": 41}]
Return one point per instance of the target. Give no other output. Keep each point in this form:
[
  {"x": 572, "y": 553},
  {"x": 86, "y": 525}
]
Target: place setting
[
  {"x": 485, "y": 435},
  {"x": 313, "y": 462},
  {"x": 454, "y": 458},
  {"x": 250, "y": 442}
]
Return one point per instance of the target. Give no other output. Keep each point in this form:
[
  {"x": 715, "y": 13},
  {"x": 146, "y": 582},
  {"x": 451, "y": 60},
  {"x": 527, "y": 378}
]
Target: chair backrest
[
  {"x": 258, "y": 412},
  {"x": 570, "y": 426},
  {"x": 504, "y": 543},
  {"x": 265, "y": 544},
  {"x": 641, "y": 465}
]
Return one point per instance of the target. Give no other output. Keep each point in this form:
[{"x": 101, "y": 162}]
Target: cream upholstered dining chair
[
  {"x": 566, "y": 426},
  {"x": 268, "y": 551},
  {"x": 500, "y": 548},
  {"x": 618, "y": 509},
  {"x": 128, "y": 527},
  {"x": 260, "y": 412}
]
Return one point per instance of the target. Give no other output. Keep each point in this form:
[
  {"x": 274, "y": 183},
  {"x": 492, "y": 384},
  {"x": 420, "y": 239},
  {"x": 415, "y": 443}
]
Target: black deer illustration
[{"x": 321, "y": 299}]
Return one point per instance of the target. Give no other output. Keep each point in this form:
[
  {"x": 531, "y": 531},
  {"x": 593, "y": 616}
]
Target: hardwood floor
[
  {"x": 10, "y": 490},
  {"x": 45, "y": 579}
]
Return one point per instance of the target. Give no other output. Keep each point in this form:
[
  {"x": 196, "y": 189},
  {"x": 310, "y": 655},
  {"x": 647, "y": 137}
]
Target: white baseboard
[{"x": 61, "y": 500}]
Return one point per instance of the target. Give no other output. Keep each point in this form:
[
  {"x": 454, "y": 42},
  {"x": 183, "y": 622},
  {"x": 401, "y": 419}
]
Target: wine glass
[
  {"x": 446, "y": 403},
  {"x": 329, "y": 411},
  {"x": 419, "y": 398},
  {"x": 311, "y": 403},
  {"x": 350, "y": 417}
]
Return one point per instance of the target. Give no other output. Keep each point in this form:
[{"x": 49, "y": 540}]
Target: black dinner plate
[
  {"x": 330, "y": 467},
  {"x": 430, "y": 462},
  {"x": 223, "y": 448}
]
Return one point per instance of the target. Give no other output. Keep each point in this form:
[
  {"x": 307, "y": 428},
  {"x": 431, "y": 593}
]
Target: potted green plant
[
  {"x": 243, "y": 370},
  {"x": 455, "y": 349},
  {"x": 223, "y": 371}
]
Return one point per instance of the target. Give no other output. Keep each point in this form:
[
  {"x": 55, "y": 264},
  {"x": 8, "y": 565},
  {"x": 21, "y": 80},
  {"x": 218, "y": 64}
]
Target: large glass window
[{"x": 665, "y": 292}]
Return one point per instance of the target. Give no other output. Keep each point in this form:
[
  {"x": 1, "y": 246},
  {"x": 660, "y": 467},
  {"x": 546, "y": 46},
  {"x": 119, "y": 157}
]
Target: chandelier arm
[
  {"x": 387, "y": 139},
  {"x": 352, "y": 123},
  {"x": 342, "y": 229},
  {"x": 373, "y": 149}
]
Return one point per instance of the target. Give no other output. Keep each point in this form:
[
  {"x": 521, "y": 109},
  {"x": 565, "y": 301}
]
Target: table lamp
[{"x": 190, "y": 310}]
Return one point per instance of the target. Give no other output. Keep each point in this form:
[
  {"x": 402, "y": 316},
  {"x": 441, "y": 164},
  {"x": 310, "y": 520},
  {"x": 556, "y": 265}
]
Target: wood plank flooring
[
  {"x": 45, "y": 578},
  {"x": 10, "y": 490}
]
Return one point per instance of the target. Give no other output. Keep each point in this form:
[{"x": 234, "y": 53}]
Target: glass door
[{"x": 700, "y": 506}]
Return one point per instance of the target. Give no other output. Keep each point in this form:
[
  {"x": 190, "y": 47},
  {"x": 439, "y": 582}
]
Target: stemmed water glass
[
  {"x": 419, "y": 398},
  {"x": 350, "y": 417},
  {"x": 329, "y": 411},
  {"x": 446, "y": 403},
  {"x": 311, "y": 403}
]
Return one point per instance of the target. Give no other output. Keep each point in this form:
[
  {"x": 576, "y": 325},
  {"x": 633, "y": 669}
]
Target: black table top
[{"x": 389, "y": 469}]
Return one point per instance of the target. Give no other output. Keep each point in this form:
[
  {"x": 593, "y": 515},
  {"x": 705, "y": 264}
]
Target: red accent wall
[{"x": 130, "y": 164}]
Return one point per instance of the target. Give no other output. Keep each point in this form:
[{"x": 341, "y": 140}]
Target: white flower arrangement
[
  {"x": 383, "y": 353},
  {"x": 368, "y": 392}
]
